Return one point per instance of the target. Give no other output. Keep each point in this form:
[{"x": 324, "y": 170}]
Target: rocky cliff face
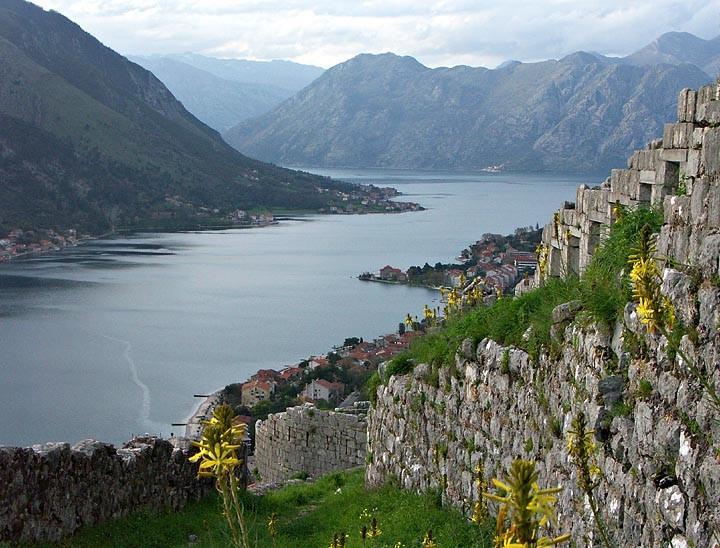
[
  {"x": 582, "y": 113},
  {"x": 655, "y": 423}
]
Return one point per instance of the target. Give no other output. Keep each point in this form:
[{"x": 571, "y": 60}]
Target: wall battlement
[{"x": 688, "y": 156}]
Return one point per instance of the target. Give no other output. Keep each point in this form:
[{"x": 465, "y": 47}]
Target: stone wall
[
  {"x": 305, "y": 440},
  {"x": 657, "y": 431},
  {"x": 688, "y": 154},
  {"x": 48, "y": 491}
]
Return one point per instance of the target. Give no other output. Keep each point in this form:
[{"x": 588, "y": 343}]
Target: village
[
  {"x": 333, "y": 380},
  {"x": 496, "y": 262},
  {"x": 367, "y": 199},
  {"x": 20, "y": 242}
]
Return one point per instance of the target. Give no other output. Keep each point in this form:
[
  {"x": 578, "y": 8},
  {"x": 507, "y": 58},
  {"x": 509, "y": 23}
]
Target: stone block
[
  {"x": 692, "y": 166},
  {"x": 668, "y": 133},
  {"x": 710, "y": 157},
  {"x": 674, "y": 155},
  {"x": 709, "y": 113},
  {"x": 686, "y": 105},
  {"x": 704, "y": 95},
  {"x": 657, "y": 194},
  {"x": 579, "y": 196},
  {"x": 647, "y": 176},
  {"x": 682, "y": 135},
  {"x": 709, "y": 255},
  {"x": 567, "y": 217},
  {"x": 713, "y": 206},
  {"x": 674, "y": 243},
  {"x": 697, "y": 137},
  {"x": 667, "y": 173},
  {"x": 698, "y": 213}
]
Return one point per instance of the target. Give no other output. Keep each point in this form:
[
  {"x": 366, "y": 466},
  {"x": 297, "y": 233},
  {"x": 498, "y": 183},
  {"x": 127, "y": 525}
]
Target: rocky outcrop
[
  {"x": 649, "y": 400},
  {"x": 49, "y": 491},
  {"x": 309, "y": 442}
]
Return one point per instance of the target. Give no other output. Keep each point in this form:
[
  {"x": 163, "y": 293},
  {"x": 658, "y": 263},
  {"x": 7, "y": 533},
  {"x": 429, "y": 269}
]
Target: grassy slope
[
  {"x": 602, "y": 291},
  {"x": 309, "y": 515}
]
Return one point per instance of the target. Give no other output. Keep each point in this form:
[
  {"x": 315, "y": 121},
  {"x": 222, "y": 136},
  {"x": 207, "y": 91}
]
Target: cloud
[{"x": 438, "y": 33}]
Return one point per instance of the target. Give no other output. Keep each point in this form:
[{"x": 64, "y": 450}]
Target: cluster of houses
[
  {"x": 242, "y": 217},
  {"x": 367, "y": 198},
  {"x": 499, "y": 268},
  {"x": 21, "y": 242},
  {"x": 263, "y": 385}
]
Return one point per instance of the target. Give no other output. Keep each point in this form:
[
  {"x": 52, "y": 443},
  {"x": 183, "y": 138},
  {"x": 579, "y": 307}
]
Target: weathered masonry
[
  {"x": 49, "y": 491},
  {"x": 656, "y": 426},
  {"x": 304, "y": 440},
  {"x": 688, "y": 154}
]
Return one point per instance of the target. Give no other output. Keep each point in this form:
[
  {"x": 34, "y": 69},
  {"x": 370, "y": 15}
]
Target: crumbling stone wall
[
  {"x": 48, "y": 491},
  {"x": 305, "y": 440},
  {"x": 658, "y": 433},
  {"x": 658, "y": 454},
  {"x": 687, "y": 156}
]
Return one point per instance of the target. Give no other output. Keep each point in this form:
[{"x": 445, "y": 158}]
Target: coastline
[{"x": 193, "y": 424}]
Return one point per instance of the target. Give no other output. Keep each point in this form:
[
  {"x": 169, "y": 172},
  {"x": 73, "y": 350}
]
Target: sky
[{"x": 437, "y": 33}]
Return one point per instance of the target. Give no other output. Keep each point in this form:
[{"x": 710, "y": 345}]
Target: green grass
[
  {"x": 603, "y": 291},
  {"x": 505, "y": 322},
  {"x": 308, "y": 516}
]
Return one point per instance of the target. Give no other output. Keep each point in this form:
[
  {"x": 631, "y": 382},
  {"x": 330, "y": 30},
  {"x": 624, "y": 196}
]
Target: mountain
[
  {"x": 279, "y": 73},
  {"x": 218, "y": 102},
  {"x": 581, "y": 113},
  {"x": 92, "y": 140},
  {"x": 680, "y": 47}
]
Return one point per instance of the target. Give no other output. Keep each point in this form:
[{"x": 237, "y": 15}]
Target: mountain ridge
[
  {"x": 218, "y": 102},
  {"x": 577, "y": 114}
]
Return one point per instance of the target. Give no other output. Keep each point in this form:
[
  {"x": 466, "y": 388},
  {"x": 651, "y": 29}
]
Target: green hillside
[{"x": 92, "y": 140}]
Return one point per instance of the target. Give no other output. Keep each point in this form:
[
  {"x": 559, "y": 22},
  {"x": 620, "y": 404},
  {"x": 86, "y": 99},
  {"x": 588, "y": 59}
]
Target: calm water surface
[{"x": 115, "y": 336}]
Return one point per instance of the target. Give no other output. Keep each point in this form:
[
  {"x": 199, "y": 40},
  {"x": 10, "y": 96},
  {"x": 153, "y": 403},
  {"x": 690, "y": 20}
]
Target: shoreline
[
  {"x": 286, "y": 216},
  {"x": 394, "y": 282}
]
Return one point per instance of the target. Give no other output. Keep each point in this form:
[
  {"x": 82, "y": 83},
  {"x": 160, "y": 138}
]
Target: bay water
[{"x": 113, "y": 337}]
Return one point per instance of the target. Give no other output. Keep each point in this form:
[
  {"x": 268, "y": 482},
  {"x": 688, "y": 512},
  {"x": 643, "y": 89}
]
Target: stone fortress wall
[
  {"x": 305, "y": 440},
  {"x": 658, "y": 434},
  {"x": 49, "y": 491},
  {"x": 687, "y": 154}
]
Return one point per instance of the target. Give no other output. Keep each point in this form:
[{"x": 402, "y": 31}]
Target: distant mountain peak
[
  {"x": 585, "y": 58},
  {"x": 675, "y": 47},
  {"x": 387, "y": 58},
  {"x": 390, "y": 111},
  {"x": 508, "y": 64}
]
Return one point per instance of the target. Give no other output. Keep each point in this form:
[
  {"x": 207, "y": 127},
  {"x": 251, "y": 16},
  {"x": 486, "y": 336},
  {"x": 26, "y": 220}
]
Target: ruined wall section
[
  {"x": 685, "y": 158},
  {"x": 305, "y": 440},
  {"x": 657, "y": 430},
  {"x": 49, "y": 491}
]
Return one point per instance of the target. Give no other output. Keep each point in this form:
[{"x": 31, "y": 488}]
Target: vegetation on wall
[{"x": 525, "y": 321}]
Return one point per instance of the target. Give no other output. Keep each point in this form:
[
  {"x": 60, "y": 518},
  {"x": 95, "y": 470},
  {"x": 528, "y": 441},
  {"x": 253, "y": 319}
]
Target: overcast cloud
[{"x": 437, "y": 33}]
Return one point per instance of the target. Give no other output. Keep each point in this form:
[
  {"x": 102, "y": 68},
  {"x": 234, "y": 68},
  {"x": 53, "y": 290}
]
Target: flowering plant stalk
[
  {"x": 524, "y": 509},
  {"x": 218, "y": 459},
  {"x": 655, "y": 310},
  {"x": 582, "y": 448}
]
